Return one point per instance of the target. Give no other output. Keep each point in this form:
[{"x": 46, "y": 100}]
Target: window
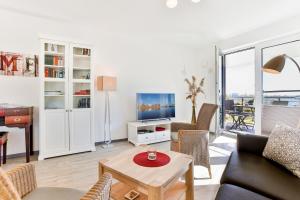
[{"x": 284, "y": 88}]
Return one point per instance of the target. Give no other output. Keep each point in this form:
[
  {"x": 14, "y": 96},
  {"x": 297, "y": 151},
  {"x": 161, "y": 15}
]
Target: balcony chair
[
  {"x": 20, "y": 183},
  {"x": 193, "y": 139}
]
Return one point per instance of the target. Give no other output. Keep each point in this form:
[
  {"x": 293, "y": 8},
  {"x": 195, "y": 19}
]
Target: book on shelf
[
  {"x": 54, "y": 60},
  {"x": 84, "y": 103},
  {"x": 54, "y": 73}
]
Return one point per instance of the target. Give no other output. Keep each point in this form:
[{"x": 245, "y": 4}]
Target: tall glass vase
[{"x": 193, "y": 115}]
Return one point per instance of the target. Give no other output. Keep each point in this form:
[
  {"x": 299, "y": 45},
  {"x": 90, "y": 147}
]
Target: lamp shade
[
  {"x": 275, "y": 65},
  {"x": 106, "y": 83}
]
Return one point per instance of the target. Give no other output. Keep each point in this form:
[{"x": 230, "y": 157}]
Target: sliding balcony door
[{"x": 237, "y": 91}]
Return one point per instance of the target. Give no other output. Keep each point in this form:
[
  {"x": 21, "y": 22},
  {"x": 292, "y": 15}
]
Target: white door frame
[{"x": 258, "y": 85}]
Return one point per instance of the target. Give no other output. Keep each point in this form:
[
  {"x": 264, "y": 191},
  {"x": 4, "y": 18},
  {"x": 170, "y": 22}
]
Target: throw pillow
[
  {"x": 283, "y": 147},
  {"x": 7, "y": 189}
]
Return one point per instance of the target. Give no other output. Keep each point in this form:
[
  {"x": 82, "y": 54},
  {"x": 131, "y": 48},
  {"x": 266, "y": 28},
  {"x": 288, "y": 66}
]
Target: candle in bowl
[{"x": 151, "y": 154}]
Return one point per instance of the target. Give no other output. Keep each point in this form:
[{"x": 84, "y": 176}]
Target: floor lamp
[
  {"x": 276, "y": 64},
  {"x": 107, "y": 84}
]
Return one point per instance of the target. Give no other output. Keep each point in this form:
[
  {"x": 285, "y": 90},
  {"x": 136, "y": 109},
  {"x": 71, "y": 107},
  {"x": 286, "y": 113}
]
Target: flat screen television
[{"x": 155, "y": 106}]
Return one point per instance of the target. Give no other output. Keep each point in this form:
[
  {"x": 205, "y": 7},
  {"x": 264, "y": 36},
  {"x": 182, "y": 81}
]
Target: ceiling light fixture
[{"x": 171, "y": 3}]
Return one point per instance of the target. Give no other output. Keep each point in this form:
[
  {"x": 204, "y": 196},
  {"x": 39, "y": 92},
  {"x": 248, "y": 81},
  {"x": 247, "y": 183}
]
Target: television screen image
[{"x": 152, "y": 106}]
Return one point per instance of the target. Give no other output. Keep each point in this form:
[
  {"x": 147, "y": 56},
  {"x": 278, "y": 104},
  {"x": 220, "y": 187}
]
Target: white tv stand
[{"x": 136, "y": 137}]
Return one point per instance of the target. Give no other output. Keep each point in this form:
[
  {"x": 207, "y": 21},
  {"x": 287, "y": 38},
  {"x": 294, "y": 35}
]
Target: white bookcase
[
  {"x": 147, "y": 133},
  {"x": 66, "y": 101}
]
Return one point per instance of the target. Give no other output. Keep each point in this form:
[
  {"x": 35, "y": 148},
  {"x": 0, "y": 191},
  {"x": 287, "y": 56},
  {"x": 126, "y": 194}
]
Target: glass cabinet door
[
  {"x": 81, "y": 77},
  {"x": 54, "y": 74}
]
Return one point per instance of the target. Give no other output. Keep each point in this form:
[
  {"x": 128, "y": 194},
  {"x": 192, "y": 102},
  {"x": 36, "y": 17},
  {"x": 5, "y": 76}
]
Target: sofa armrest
[
  {"x": 176, "y": 126},
  {"x": 23, "y": 178},
  {"x": 251, "y": 143},
  {"x": 101, "y": 190}
]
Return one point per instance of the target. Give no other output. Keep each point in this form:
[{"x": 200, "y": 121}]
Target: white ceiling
[{"x": 188, "y": 23}]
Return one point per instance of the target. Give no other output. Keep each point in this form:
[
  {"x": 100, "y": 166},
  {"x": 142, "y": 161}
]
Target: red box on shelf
[
  {"x": 2, "y": 112},
  {"x": 82, "y": 92},
  {"x": 160, "y": 129}
]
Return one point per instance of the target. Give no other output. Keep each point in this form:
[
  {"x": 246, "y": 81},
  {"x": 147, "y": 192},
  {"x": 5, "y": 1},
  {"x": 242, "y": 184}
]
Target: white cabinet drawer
[
  {"x": 146, "y": 137},
  {"x": 162, "y": 135}
]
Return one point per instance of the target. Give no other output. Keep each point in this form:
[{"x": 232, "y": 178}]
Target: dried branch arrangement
[{"x": 194, "y": 89}]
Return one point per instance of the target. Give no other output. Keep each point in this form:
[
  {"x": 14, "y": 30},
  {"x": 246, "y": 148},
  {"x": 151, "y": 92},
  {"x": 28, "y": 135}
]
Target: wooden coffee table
[{"x": 155, "y": 183}]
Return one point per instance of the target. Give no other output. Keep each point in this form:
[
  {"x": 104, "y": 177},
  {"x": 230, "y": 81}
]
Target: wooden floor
[{"x": 81, "y": 170}]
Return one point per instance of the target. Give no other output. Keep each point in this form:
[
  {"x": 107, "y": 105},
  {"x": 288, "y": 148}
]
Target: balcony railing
[{"x": 282, "y": 97}]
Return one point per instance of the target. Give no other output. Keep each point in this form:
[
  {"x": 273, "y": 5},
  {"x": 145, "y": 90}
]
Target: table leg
[
  {"x": 189, "y": 181},
  {"x": 155, "y": 193},
  {"x": 101, "y": 168},
  {"x": 27, "y": 143},
  {"x": 4, "y": 152},
  {"x": 234, "y": 122},
  {"x": 31, "y": 140},
  {"x": 0, "y": 154},
  {"x": 239, "y": 123}
]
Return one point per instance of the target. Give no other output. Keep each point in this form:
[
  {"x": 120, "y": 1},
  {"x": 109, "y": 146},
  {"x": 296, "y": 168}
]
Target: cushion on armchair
[
  {"x": 176, "y": 126},
  {"x": 174, "y": 136}
]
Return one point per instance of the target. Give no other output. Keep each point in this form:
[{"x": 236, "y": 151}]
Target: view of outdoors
[
  {"x": 284, "y": 88},
  {"x": 238, "y": 88},
  {"x": 239, "y": 91}
]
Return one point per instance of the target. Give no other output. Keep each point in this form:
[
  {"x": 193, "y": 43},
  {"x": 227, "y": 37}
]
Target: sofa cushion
[
  {"x": 232, "y": 192},
  {"x": 283, "y": 147},
  {"x": 50, "y": 193},
  {"x": 260, "y": 175}
]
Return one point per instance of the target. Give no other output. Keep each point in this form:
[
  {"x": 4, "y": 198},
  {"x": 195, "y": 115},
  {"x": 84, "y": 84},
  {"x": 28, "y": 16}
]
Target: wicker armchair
[
  {"x": 192, "y": 139},
  {"x": 20, "y": 183}
]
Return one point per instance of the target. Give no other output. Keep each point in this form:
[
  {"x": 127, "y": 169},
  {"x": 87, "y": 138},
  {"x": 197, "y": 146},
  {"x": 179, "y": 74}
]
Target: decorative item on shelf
[
  {"x": 151, "y": 154},
  {"x": 61, "y": 74},
  {"x": 51, "y": 47},
  {"x": 107, "y": 84},
  {"x": 88, "y": 76},
  {"x": 194, "y": 90},
  {"x": 16, "y": 64},
  {"x": 132, "y": 195},
  {"x": 276, "y": 64},
  {"x": 85, "y": 52}
]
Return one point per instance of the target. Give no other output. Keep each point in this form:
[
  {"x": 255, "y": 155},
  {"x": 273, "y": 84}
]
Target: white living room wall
[{"x": 141, "y": 64}]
